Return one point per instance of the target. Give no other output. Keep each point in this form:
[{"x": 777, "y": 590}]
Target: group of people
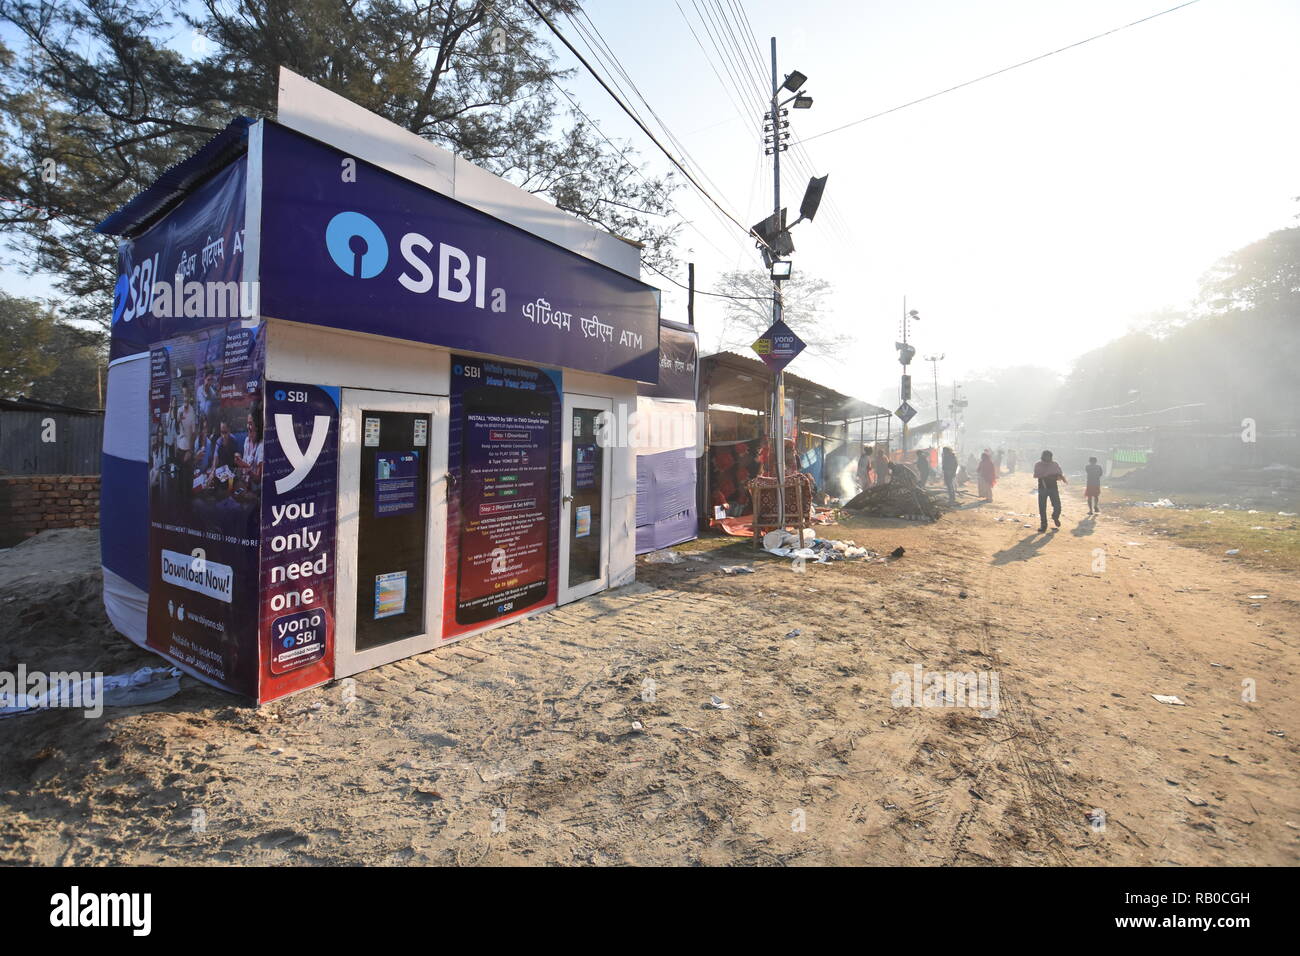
[
  {"x": 194, "y": 447},
  {"x": 873, "y": 467}
]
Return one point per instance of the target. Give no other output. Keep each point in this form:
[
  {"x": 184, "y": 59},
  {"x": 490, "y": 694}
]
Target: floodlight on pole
[
  {"x": 803, "y": 102},
  {"x": 782, "y": 269},
  {"x": 794, "y": 82},
  {"x": 812, "y": 197}
]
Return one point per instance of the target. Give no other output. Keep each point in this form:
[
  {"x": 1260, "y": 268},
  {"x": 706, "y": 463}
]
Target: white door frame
[
  {"x": 573, "y": 400},
  {"x": 347, "y": 659}
]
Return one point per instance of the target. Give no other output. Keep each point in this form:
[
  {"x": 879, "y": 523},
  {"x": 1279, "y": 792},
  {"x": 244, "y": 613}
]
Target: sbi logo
[
  {"x": 356, "y": 245},
  {"x": 119, "y": 296}
]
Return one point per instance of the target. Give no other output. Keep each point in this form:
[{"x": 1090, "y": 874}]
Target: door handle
[{"x": 566, "y": 499}]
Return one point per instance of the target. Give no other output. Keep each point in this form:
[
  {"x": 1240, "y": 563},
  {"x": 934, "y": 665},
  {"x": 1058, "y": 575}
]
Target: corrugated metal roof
[
  {"x": 176, "y": 183},
  {"x": 745, "y": 383}
]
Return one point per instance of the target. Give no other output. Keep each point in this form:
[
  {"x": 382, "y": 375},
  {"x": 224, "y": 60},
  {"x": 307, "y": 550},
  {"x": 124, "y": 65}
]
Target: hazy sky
[{"x": 1029, "y": 217}]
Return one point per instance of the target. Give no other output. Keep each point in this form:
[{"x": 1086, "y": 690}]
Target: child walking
[{"x": 1092, "y": 491}]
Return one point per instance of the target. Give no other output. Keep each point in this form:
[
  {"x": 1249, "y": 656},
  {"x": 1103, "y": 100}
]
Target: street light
[
  {"x": 782, "y": 269},
  {"x": 794, "y": 81},
  {"x": 803, "y": 102}
]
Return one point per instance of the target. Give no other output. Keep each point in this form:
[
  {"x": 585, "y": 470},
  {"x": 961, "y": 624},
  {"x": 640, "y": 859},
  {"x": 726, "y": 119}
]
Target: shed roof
[
  {"x": 160, "y": 196},
  {"x": 745, "y": 383}
]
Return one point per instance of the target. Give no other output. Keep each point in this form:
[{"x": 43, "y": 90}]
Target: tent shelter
[
  {"x": 828, "y": 427},
  {"x": 360, "y": 402}
]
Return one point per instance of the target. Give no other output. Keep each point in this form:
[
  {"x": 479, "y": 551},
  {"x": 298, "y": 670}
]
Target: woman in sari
[{"x": 988, "y": 475}]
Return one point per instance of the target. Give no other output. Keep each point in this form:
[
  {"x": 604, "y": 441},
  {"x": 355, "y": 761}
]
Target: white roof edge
[{"x": 316, "y": 112}]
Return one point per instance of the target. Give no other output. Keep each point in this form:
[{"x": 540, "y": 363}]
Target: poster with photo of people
[{"x": 205, "y": 471}]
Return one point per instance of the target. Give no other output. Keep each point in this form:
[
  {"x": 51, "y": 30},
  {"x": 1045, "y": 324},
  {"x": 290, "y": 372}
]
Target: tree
[
  {"x": 1263, "y": 274},
  {"x": 81, "y": 359},
  {"x": 27, "y": 328},
  {"x": 748, "y": 313},
  {"x": 97, "y": 105}
]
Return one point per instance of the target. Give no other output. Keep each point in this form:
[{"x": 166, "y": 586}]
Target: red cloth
[{"x": 987, "y": 470}]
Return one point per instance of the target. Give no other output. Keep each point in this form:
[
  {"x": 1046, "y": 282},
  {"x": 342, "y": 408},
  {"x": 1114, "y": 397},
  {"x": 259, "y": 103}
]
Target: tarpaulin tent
[
  {"x": 667, "y": 443},
  {"x": 736, "y": 398}
]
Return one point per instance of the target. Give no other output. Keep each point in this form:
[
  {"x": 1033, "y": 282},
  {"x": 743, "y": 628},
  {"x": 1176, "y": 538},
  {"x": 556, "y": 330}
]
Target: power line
[
  {"x": 622, "y": 153},
  {"x": 1005, "y": 69},
  {"x": 636, "y": 119},
  {"x": 707, "y": 59},
  {"x": 602, "y": 51},
  {"x": 746, "y": 42},
  {"x": 716, "y": 295}
]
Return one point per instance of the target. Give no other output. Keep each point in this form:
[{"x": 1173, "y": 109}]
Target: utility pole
[
  {"x": 778, "y": 385},
  {"x": 958, "y": 403},
  {"x": 690, "y": 294},
  {"x": 905, "y": 353},
  {"x": 774, "y": 242},
  {"x": 934, "y": 361}
]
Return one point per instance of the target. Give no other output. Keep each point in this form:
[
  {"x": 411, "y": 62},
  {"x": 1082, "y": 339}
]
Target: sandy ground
[{"x": 518, "y": 746}]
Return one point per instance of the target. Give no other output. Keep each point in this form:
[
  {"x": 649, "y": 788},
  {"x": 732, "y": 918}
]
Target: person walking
[
  {"x": 879, "y": 466},
  {"x": 923, "y": 469},
  {"x": 1011, "y": 461},
  {"x": 988, "y": 475},
  {"x": 949, "y": 467},
  {"x": 1092, "y": 490},
  {"x": 1048, "y": 474}
]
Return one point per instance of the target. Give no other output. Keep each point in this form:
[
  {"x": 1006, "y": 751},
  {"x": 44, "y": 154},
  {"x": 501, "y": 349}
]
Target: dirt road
[{"x": 520, "y": 747}]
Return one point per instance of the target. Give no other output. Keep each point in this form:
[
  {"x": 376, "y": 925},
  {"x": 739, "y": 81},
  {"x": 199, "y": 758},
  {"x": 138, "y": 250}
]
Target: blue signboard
[
  {"x": 299, "y": 516},
  {"x": 349, "y": 245},
  {"x": 778, "y": 346},
  {"x": 183, "y": 274}
]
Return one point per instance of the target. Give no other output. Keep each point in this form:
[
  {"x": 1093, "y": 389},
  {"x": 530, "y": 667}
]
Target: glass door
[
  {"x": 392, "y": 522},
  {"x": 584, "y": 500}
]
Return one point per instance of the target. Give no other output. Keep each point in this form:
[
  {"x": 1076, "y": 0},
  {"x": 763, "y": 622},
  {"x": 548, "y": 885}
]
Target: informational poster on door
[
  {"x": 397, "y": 489},
  {"x": 299, "y": 504},
  {"x": 586, "y": 458},
  {"x": 205, "y": 483},
  {"x": 390, "y": 594},
  {"x": 503, "y": 496}
]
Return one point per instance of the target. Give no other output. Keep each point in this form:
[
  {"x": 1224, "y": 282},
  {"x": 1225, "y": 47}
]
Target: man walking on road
[
  {"x": 1048, "y": 474},
  {"x": 949, "y": 466}
]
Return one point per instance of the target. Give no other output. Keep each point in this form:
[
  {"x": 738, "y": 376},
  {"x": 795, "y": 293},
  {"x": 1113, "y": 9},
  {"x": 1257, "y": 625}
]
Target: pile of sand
[{"x": 52, "y": 610}]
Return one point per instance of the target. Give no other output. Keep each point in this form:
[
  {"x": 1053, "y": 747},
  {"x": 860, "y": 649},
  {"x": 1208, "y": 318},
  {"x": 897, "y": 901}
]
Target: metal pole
[
  {"x": 778, "y": 431},
  {"x": 937, "y": 412},
  {"x": 690, "y": 294},
  {"x": 905, "y": 368}
]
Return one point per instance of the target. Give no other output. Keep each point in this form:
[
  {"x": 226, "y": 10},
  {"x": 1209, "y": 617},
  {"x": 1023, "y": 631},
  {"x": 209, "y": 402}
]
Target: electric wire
[{"x": 1005, "y": 69}]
